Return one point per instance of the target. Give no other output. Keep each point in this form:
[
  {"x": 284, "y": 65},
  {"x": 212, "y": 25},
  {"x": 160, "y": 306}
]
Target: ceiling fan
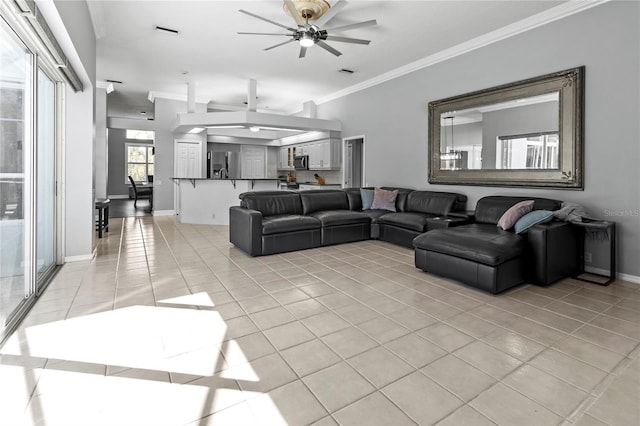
[{"x": 310, "y": 34}]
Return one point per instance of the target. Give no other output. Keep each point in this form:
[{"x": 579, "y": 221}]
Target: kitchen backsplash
[{"x": 330, "y": 176}]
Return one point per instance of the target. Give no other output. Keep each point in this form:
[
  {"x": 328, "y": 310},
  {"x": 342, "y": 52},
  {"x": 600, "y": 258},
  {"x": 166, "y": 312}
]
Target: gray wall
[
  {"x": 117, "y": 183},
  {"x": 166, "y": 111},
  {"x": 79, "y": 137},
  {"x": 606, "y": 39},
  {"x": 77, "y": 22}
]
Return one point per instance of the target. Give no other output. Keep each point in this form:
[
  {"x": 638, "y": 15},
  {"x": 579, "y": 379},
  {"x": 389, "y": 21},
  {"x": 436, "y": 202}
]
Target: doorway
[{"x": 353, "y": 165}]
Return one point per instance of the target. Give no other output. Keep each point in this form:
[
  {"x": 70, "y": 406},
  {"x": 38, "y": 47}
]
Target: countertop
[
  {"x": 179, "y": 178},
  {"x": 317, "y": 184}
]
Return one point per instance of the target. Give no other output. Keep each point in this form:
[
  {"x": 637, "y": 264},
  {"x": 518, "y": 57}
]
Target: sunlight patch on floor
[
  {"x": 198, "y": 299},
  {"x": 156, "y": 338}
]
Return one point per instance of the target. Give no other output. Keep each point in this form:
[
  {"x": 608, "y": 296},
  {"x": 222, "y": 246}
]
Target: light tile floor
[{"x": 170, "y": 324}]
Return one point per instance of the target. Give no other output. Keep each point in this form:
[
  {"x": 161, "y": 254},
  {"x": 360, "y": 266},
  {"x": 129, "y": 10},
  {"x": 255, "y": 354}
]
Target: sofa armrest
[
  {"x": 447, "y": 221},
  {"x": 554, "y": 251},
  {"x": 461, "y": 215},
  {"x": 245, "y": 229}
]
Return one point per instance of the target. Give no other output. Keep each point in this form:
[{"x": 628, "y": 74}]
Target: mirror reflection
[{"x": 519, "y": 134}]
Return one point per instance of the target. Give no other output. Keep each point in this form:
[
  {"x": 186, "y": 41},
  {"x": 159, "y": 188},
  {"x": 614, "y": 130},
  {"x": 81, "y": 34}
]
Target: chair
[
  {"x": 102, "y": 205},
  {"x": 140, "y": 193}
]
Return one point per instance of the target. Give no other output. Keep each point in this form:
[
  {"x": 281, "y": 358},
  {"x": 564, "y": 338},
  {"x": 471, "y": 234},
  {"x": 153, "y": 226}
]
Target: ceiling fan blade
[
  {"x": 279, "y": 34},
  {"x": 294, "y": 13},
  {"x": 352, "y": 26},
  {"x": 266, "y": 20},
  {"x": 331, "y": 13},
  {"x": 279, "y": 44},
  {"x": 328, "y": 48},
  {"x": 303, "y": 52},
  {"x": 347, "y": 40}
]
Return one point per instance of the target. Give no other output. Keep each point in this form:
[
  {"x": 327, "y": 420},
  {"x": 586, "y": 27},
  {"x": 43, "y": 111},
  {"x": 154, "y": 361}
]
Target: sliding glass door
[
  {"x": 46, "y": 176},
  {"x": 16, "y": 87},
  {"x": 28, "y": 138}
]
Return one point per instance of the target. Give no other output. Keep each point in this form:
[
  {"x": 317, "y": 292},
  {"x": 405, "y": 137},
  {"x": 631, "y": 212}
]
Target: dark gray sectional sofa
[
  {"x": 268, "y": 222},
  {"x": 448, "y": 242}
]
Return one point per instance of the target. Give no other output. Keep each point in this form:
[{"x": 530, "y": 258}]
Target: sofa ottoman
[{"x": 480, "y": 256}]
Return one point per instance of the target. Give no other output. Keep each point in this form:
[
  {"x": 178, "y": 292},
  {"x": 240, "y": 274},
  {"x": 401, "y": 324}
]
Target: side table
[{"x": 610, "y": 229}]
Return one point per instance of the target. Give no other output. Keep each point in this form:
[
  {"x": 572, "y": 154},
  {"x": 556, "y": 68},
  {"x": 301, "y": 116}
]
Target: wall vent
[{"x": 167, "y": 30}]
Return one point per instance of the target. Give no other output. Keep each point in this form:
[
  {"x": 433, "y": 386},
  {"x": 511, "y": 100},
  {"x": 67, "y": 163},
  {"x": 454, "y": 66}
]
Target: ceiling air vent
[
  {"x": 167, "y": 30},
  {"x": 346, "y": 71}
]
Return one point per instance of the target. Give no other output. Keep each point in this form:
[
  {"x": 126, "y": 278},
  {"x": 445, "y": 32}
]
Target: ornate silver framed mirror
[{"x": 527, "y": 133}]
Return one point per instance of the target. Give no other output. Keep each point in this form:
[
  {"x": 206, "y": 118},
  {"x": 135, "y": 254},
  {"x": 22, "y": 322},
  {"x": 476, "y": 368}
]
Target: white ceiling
[{"x": 221, "y": 62}]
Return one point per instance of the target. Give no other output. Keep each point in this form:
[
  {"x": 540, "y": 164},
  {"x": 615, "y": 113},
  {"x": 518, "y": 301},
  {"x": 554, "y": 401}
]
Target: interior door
[
  {"x": 353, "y": 162},
  {"x": 188, "y": 160}
]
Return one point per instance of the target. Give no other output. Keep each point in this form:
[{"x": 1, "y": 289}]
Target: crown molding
[{"x": 559, "y": 12}]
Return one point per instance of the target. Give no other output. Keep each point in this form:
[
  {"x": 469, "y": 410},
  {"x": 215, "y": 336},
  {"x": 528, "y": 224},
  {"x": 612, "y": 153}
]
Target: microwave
[{"x": 301, "y": 162}]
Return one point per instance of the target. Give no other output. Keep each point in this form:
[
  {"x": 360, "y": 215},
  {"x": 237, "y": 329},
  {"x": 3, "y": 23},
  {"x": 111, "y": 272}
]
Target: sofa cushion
[
  {"x": 340, "y": 217},
  {"x": 414, "y": 221},
  {"x": 319, "y": 200},
  {"x": 279, "y": 224},
  {"x": 436, "y": 203},
  {"x": 384, "y": 199},
  {"x": 401, "y": 199},
  {"x": 486, "y": 244},
  {"x": 515, "y": 212},
  {"x": 532, "y": 218},
  {"x": 366, "y": 195},
  {"x": 490, "y": 209},
  {"x": 271, "y": 203}
]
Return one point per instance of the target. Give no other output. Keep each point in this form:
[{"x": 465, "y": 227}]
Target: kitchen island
[{"x": 207, "y": 201}]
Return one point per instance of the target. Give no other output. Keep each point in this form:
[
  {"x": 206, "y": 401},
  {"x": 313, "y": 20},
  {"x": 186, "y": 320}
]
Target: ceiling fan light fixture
[{"x": 306, "y": 40}]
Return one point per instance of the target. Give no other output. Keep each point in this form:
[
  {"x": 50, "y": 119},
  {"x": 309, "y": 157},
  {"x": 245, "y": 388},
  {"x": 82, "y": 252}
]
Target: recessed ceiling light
[{"x": 167, "y": 30}]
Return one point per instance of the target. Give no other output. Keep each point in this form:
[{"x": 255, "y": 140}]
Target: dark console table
[{"x": 610, "y": 229}]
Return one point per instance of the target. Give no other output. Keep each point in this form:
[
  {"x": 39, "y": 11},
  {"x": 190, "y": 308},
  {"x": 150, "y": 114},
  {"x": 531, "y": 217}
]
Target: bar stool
[{"x": 102, "y": 205}]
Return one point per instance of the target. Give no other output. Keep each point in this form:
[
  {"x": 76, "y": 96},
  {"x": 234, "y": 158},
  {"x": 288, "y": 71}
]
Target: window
[
  {"x": 533, "y": 151},
  {"x": 139, "y": 162},
  {"x": 144, "y": 135}
]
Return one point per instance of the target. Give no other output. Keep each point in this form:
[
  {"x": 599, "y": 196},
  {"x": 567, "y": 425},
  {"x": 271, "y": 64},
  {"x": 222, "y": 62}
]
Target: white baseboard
[
  {"x": 78, "y": 258},
  {"x": 164, "y": 212},
  {"x": 624, "y": 277},
  {"x": 117, "y": 197}
]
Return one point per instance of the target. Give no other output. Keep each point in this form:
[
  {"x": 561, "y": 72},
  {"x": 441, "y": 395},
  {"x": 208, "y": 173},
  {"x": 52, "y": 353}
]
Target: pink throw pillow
[
  {"x": 515, "y": 212},
  {"x": 384, "y": 200}
]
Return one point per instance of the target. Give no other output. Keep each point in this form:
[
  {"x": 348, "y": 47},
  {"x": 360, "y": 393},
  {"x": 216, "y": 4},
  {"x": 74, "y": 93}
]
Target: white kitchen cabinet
[
  {"x": 286, "y": 157},
  {"x": 325, "y": 155},
  {"x": 283, "y": 159}
]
